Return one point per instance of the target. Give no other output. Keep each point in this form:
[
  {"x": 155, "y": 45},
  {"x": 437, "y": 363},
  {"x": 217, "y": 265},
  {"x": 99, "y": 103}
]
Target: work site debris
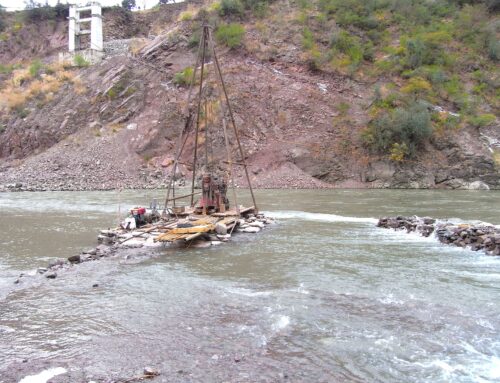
[{"x": 475, "y": 237}]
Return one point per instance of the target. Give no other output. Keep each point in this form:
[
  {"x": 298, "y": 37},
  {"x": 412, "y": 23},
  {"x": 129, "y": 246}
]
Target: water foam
[
  {"x": 248, "y": 292},
  {"x": 317, "y": 217},
  {"x": 43, "y": 376},
  {"x": 282, "y": 322}
]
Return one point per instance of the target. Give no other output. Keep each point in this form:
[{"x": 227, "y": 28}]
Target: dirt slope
[{"x": 123, "y": 125}]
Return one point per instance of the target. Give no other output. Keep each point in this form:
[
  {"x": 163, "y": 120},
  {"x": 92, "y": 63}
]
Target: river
[{"x": 322, "y": 296}]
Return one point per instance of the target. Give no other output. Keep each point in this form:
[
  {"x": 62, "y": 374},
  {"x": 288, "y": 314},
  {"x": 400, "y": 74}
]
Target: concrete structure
[{"x": 77, "y": 26}]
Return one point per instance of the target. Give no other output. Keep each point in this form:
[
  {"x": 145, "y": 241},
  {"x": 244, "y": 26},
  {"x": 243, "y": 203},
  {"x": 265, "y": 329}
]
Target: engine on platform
[{"x": 213, "y": 198}]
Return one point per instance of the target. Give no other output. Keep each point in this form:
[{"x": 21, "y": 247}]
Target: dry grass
[
  {"x": 78, "y": 86},
  {"x": 21, "y": 87},
  {"x": 496, "y": 158},
  {"x": 189, "y": 14},
  {"x": 136, "y": 45}
]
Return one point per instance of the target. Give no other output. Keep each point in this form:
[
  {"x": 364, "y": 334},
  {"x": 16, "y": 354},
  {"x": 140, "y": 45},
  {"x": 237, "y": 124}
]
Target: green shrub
[
  {"x": 351, "y": 46},
  {"x": 231, "y": 8},
  {"x": 2, "y": 21},
  {"x": 482, "y": 120},
  {"x": 35, "y": 68},
  {"x": 230, "y": 34},
  {"x": 22, "y": 112},
  {"x": 304, "y": 4},
  {"x": 194, "y": 40},
  {"x": 6, "y": 69},
  {"x": 493, "y": 5},
  {"x": 307, "y": 39},
  {"x": 183, "y": 77},
  {"x": 409, "y": 127},
  {"x": 35, "y": 11},
  {"x": 416, "y": 53},
  {"x": 343, "y": 108},
  {"x": 398, "y": 152},
  {"x": 258, "y": 7},
  {"x": 116, "y": 90},
  {"x": 494, "y": 49},
  {"x": 80, "y": 61}
]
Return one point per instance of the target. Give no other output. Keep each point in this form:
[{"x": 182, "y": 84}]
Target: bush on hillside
[
  {"x": 183, "y": 77},
  {"x": 230, "y": 35},
  {"x": 35, "y": 68},
  {"x": 409, "y": 127},
  {"x": 2, "y": 19},
  {"x": 80, "y": 61},
  {"x": 482, "y": 120},
  {"x": 231, "y": 8}
]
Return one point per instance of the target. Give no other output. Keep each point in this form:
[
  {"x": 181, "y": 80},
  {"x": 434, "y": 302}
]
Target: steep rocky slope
[{"x": 115, "y": 124}]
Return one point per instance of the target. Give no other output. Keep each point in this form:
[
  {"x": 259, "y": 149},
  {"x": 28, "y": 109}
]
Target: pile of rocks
[
  {"x": 56, "y": 265},
  {"x": 476, "y": 237},
  {"x": 120, "y": 238}
]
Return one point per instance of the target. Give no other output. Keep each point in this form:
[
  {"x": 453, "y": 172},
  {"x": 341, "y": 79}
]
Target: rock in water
[
  {"x": 51, "y": 275},
  {"x": 256, "y": 224},
  {"x": 74, "y": 258},
  {"x": 149, "y": 371},
  {"x": 54, "y": 263},
  {"x": 251, "y": 230},
  {"x": 478, "y": 185},
  {"x": 90, "y": 252},
  {"x": 220, "y": 228}
]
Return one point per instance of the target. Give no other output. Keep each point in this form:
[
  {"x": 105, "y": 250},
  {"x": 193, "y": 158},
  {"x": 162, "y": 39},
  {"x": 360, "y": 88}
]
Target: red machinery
[{"x": 213, "y": 198}]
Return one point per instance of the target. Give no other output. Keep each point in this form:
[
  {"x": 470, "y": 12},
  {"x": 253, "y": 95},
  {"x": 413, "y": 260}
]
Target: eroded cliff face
[{"x": 115, "y": 124}]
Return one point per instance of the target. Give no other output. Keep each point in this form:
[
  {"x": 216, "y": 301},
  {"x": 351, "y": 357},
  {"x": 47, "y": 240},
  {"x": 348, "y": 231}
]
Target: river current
[{"x": 322, "y": 296}]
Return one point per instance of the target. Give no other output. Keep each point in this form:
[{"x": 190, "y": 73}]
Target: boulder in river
[
  {"x": 75, "y": 258},
  {"x": 220, "y": 228}
]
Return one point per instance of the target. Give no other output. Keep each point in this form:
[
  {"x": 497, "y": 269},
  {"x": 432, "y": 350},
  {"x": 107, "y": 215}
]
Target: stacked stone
[
  {"x": 475, "y": 237},
  {"x": 117, "y": 47}
]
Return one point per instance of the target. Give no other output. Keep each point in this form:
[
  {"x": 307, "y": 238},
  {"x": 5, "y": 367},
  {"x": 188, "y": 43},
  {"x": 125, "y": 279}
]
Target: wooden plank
[
  {"x": 192, "y": 236},
  {"x": 193, "y": 230}
]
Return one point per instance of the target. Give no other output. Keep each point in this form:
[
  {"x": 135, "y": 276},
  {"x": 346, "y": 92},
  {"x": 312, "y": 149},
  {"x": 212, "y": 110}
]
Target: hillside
[{"x": 327, "y": 93}]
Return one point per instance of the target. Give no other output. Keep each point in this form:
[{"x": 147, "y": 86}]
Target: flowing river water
[{"x": 322, "y": 296}]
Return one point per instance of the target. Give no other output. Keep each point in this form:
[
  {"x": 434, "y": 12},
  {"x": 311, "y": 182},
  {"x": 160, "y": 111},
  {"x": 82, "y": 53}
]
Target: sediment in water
[{"x": 475, "y": 237}]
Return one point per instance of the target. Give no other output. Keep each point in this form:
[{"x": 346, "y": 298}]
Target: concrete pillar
[
  {"x": 96, "y": 38},
  {"x": 72, "y": 28}
]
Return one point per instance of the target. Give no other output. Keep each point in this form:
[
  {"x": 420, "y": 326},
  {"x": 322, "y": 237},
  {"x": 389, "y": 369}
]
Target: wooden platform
[{"x": 201, "y": 224}]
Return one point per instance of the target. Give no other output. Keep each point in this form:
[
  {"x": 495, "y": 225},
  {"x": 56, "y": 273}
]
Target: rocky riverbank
[{"x": 474, "y": 237}]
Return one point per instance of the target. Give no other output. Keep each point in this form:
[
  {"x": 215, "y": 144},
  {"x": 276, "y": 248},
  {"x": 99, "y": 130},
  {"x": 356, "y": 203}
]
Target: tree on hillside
[
  {"x": 37, "y": 11},
  {"x": 2, "y": 21},
  {"x": 128, "y": 4}
]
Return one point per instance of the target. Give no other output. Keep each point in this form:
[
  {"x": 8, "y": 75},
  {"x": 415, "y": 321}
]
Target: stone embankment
[{"x": 475, "y": 237}]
